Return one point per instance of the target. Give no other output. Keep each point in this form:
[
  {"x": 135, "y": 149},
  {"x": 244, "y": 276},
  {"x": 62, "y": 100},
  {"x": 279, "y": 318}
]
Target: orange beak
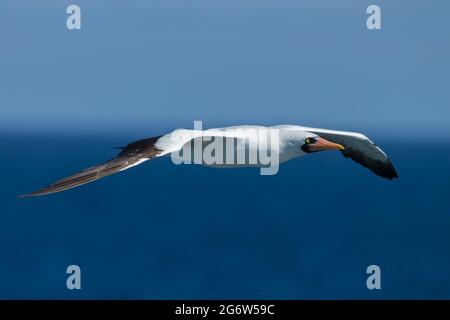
[{"x": 323, "y": 144}]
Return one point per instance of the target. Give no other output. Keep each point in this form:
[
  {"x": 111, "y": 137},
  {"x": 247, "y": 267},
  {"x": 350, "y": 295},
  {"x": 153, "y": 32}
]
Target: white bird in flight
[{"x": 293, "y": 141}]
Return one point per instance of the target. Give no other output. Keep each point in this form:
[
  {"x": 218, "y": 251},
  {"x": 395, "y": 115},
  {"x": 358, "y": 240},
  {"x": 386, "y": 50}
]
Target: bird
[{"x": 292, "y": 141}]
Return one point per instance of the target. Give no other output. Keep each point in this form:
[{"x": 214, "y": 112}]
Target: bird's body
[
  {"x": 237, "y": 146},
  {"x": 247, "y": 139}
]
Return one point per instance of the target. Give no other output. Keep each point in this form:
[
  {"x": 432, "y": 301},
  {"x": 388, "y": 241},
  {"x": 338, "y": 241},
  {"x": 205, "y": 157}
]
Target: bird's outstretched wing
[
  {"x": 133, "y": 154},
  {"x": 361, "y": 150}
]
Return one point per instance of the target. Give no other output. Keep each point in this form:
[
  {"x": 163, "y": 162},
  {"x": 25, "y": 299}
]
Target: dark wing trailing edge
[
  {"x": 363, "y": 151},
  {"x": 146, "y": 146},
  {"x": 133, "y": 154}
]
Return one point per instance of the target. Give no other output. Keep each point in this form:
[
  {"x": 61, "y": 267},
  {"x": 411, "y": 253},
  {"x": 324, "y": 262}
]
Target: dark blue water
[{"x": 166, "y": 231}]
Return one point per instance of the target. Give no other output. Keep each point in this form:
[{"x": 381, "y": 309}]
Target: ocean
[{"x": 162, "y": 231}]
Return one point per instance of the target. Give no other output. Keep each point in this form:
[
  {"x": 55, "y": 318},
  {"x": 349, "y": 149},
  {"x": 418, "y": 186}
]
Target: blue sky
[{"x": 150, "y": 65}]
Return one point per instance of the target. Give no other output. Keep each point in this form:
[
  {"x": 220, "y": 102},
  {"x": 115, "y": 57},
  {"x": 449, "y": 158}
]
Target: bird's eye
[{"x": 307, "y": 140}]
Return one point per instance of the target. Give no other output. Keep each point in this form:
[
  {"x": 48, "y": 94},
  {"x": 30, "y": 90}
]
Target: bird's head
[{"x": 314, "y": 143}]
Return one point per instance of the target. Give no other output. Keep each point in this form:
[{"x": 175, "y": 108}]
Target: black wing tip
[
  {"x": 388, "y": 171},
  {"x": 32, "y": 194},
  {"x": 26, "y": 195}
]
